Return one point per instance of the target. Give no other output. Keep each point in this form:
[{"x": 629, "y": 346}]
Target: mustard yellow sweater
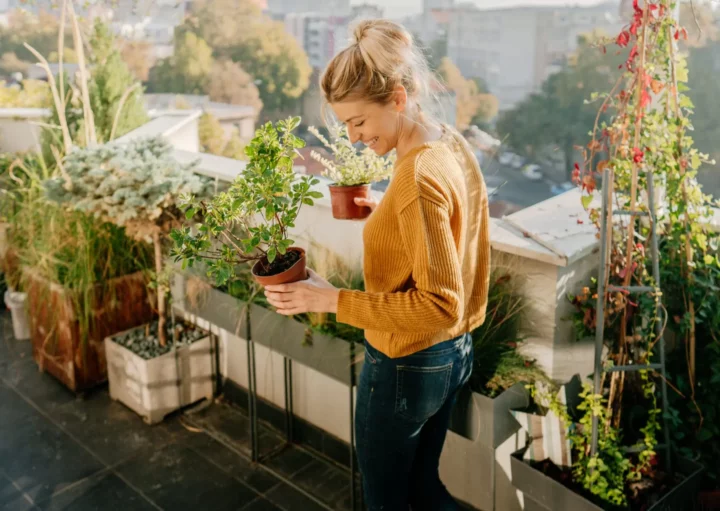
[{"x": 427, "y": 252}]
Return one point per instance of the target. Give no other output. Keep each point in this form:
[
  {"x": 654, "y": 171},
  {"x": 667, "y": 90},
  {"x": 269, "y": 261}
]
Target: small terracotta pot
[
  {"x": 295, "y": 273},
  {"x": 342, "y": 199}
]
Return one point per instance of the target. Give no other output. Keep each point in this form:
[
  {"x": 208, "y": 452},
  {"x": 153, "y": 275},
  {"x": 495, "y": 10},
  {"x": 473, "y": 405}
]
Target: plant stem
[{"x": 160, "y": 288}]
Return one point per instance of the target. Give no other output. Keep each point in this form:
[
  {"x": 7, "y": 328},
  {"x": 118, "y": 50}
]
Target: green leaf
[
  {"x": 586, "y": 200},
  {"x": 271, "y": 254},
  {"x": 686, "y": 102},
  {"x": 308, "y": 201},
  {"x": 709, "y": 259},
  {"x": 316, "y": 195},
  {"x": 190, "y": 213}
]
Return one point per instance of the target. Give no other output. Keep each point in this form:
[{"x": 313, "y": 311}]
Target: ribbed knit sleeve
[{"x": 436, "y": 301}]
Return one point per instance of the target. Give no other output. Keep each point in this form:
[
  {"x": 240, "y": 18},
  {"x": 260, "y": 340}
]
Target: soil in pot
[
  {"x": 291, "y": 268},
  {"x": 145, "y": 343},
  {"x": 643, "y": 494},
  {"x": 342, "y": 199}
]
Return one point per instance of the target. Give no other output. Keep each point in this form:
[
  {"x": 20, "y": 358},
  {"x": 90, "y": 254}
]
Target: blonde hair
[{"x": 381, "y": 56}]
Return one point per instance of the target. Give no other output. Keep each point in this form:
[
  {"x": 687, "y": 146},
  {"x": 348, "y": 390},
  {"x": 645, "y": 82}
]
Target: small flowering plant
[{"x": 351, "y": 167}]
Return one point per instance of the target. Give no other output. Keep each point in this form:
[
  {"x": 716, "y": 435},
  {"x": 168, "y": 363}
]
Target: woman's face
[{"x": 374, "y": 124}]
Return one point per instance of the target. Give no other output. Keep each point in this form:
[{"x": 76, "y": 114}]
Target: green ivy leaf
[
  {"x": 586, "y": 201},
  {"x": 271, "y": 254}
]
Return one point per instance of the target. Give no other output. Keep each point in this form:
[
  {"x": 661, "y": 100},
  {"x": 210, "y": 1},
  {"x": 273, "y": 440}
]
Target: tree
[
  {"x": 211, "y": 133},
  {"x": 39, "y": 31},
  {"x": 112, "y": 88},
  {"x": 235, "y": 147},
  {"x": 217, "y": 22},
  {"x": 187, "y": 71},
  {"x": 469, "y": 100},
  {"x": 487, "y": 109},
  {"x": 31, "y": 94},
  {"x": 558, "y": 114},
  {"x": 10, "y": 63},
  {"x": 274, "y": 57},
  {"x": 230, "y": 83},
  {"x": 137, "y": 56},
  {"x": 69, "y": 56},
  {"x": 262, "y": 47}
]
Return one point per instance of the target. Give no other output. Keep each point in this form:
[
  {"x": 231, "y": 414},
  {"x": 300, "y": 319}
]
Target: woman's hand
[
  {"x": 312, "y": 295},
  {"x": 371, "y": 202}
]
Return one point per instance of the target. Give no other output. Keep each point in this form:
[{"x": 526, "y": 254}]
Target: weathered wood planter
[
  {"x": 475, "y": 463},
  {"x": 76, "y": 355},
  {"x": 542, "y": 493},
  {"x": 156, "y": 387}
]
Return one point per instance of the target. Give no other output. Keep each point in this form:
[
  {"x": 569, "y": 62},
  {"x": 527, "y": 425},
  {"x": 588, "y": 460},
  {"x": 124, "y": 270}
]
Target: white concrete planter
[
  {"x": 475, "y": 462},
  {"x": 154, "y": 388}
]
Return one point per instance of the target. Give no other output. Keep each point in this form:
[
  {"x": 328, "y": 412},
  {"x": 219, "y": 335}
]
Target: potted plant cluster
[
  {"x": 136, "y": 186},
  {"x": 622, "y": 456},
  {"x": 249, "y": 222},
  {"x": 352, "y": 172}
]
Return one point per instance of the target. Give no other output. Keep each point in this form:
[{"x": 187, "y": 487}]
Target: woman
[{"x": 426, "y": 266}]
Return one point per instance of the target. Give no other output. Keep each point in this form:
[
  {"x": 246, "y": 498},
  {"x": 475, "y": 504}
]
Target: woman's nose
[{"x": 353, "y": 135}]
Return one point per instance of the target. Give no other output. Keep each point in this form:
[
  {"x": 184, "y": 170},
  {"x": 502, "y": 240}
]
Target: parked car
[
  {"x": 506, "y": 158},
  {"x": 517, "y": 161},
  {"x": 533, "y": 172}
]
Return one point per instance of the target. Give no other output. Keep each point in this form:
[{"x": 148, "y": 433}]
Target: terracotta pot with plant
[
  {"x": 249, "y": 223},
  {"x": 352, "y": 172}
]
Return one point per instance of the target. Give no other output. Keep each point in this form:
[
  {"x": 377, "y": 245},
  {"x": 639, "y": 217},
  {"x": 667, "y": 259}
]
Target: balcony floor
[{"x": 62, "y": 451}]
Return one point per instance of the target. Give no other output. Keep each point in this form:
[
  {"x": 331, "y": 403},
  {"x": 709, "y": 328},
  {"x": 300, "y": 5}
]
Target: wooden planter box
[
  {"x": 543, "y": 493},
  {"x": 159, "y": 386},
  {"x": 475, "y": 463},
  {"x": 58, "y": 344}
]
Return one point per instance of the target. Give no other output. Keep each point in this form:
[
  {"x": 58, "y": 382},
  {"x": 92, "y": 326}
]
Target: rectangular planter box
[
  {"x": 475, "y": 463},
  {"x": 59, "y": 346},
  {"x": 154, "y": 388},
  {"x": 488, "y": 420},
  {"x": 543, "y": 493},
  {"x": 330, "y": 356}
]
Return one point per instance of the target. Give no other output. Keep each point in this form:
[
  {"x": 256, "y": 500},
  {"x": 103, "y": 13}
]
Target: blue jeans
[{"x": 403, "y": 412}]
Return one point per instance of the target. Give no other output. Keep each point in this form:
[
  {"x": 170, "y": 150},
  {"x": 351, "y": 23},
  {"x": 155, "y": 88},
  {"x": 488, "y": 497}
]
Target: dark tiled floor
[{"x": 61, "y": 452}]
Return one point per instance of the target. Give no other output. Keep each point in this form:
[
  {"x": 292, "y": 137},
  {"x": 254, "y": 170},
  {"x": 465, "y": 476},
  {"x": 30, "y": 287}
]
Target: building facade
[{"x": 515, "y": 50}]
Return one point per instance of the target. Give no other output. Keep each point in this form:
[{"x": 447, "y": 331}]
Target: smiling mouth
[{"x": 372, "y": 143}]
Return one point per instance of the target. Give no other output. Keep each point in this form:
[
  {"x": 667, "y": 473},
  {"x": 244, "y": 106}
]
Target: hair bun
[{"x": 361, "y": 30}]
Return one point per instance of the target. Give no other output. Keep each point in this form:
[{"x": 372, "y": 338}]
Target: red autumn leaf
[
  {"x": 623, "y": 39},
  {"x": 653, "y": 7},
  {"x": 645, "y": 99},
  {"x": 638, "y": 155},
  {"x": 588, "y": 183},
  {"x": 677, "y": 35},
  {"x": 576, "y": 176},
  {"x": 684, "y": 34},
  {"x": 636, "y": 6},
  {"x": 580, "y": 221}
]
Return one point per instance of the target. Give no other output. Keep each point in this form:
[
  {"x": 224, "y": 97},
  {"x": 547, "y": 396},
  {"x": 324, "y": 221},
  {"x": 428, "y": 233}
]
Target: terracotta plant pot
[
  {"x": 342, "y": 199},
  {"x": 295, "y": 273}
]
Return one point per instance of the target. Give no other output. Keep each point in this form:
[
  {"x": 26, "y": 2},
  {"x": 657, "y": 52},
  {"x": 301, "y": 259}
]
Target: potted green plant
[
  {"x": 352, "y": 172},
  {"x": 250, "y": 222},
  {"x": 136, "y": 186}
]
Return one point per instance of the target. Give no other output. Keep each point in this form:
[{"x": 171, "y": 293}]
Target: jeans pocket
[{"x": 421, "y": 391}]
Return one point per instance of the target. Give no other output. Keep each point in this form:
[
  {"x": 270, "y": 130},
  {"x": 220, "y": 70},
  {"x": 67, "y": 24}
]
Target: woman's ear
[{"x": 400, "y": 98}]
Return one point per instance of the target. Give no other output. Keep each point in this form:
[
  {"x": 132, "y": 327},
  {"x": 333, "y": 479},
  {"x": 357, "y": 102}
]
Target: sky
[{"x": 401, "y": 8}]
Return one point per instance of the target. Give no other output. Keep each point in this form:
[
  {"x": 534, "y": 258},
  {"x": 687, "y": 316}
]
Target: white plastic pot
[{"x": 17, "y": 303}]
